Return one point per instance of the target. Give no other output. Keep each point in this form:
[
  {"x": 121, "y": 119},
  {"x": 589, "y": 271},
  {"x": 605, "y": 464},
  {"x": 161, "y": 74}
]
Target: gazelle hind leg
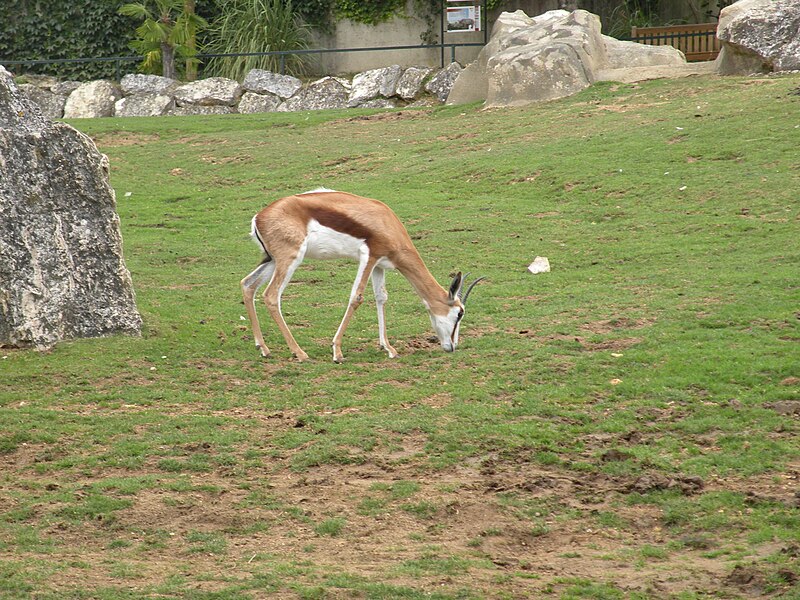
[
  {"x": 365, "y": 265},
  {"x": 250, "y": 284},
  {"x": 272, "y": 298},
  {"x": 379, "y": 287}
]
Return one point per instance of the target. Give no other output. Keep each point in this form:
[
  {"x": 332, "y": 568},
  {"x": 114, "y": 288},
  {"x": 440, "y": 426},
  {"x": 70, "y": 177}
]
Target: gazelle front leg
[
  {"x": 365, "y": 265},
  {"x": 272, "y": 298},
  {"x": 250, "y": 284},
  {"x": 379, "y": 287}
]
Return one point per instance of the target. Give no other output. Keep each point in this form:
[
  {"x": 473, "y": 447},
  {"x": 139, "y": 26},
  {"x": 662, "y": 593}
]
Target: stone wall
[{"x": 261, "y": 91}]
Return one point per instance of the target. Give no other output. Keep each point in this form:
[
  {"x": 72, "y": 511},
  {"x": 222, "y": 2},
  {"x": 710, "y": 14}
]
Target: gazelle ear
[{"x": 455, "y": 287}]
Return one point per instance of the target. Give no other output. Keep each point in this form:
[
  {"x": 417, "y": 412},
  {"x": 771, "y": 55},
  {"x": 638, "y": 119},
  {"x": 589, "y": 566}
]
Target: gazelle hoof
[{"x": 300, "y": 356}]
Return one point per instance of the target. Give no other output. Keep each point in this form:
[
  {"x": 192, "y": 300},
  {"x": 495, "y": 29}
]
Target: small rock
[{"x": 539, "y": 265}]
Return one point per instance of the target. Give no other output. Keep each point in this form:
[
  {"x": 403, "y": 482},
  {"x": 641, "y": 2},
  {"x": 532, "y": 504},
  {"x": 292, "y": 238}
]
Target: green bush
[
  {"x": 57, "y": 29},
  {"x": 256, "y": 26}
]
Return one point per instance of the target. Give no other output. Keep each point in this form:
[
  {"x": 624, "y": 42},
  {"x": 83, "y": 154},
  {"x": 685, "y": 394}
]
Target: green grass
[{"x": 180, "y": 463}]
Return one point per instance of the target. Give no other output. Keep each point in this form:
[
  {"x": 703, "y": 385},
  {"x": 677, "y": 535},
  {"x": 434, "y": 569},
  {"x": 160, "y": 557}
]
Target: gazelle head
[{"x": 447, "y": 320}]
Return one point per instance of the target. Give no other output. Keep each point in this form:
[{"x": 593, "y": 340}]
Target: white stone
[
  {"x": 214, "y": 91},
  {"x": 92, "y": 99},
  {"x": 550, "y": 56},
  {"x": 374, "y": 83},
  {"x": 410, "y": 84},
  {"x": 200, "y": 109},
  {"x": 148, "y": 84},
  {"x": 324, "y": 94},
  {"x": 442, "y": 82},
  {"x": 267, "y": 82},
  {"x": 143, "y": 105},
  {"x": 258, "y": 103},
  {"x": 539, "y": 265}
]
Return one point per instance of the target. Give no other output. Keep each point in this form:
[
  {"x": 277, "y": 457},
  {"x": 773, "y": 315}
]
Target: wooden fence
[{"x": 698, "y": 42}]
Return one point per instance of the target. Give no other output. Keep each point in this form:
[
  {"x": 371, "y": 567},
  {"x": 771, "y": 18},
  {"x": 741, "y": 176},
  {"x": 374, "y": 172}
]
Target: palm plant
[
  {"x": 253, "y": 26},
  {"x": 168, "y": 31}
]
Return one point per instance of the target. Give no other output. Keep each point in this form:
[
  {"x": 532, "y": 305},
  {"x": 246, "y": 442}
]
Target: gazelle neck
[{"x": 413, "y": 268}]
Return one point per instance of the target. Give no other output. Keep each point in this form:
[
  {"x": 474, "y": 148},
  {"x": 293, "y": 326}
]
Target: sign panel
[{"x": 463, "y": 18}]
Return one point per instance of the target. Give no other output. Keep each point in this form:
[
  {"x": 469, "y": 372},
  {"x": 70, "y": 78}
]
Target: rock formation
[
  {"x": 261, "y": 91},
  {"x": 550, "y": 56},
  {"x": 62, "y": 274},
  {"x": 759, "y": 36}
]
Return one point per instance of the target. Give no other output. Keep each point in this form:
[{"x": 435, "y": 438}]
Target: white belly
[{"x": 324, "y": 242}]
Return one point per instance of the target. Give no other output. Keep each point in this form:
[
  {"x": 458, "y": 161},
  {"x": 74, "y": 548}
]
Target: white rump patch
[{"x": 316, "y": 191}]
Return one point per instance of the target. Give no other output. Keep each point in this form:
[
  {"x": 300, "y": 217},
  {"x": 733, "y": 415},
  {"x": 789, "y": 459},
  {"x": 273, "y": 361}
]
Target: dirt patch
[{"x": 119, "y": 138}]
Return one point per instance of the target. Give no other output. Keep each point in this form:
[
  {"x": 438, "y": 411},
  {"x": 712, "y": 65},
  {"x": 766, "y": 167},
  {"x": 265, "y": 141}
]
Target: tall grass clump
[{"x": 250, "y": 26}]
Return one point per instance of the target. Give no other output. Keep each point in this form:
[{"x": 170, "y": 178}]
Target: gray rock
[
  {"x": 214, "y": 91},
  {"x": 92, "y": 99},
  {"x": 380, "y": 103},
  {"x": 630, "y": 55},
  {"x": 410, "y": 84},
  {"x": 46, "y": 82},
  {"x": 51, "y": 105},
  {"x": 759, "y": 36},
  {"x": 65, "y": 88},
  {"x": 550, "y": 56},
  {"x": 442, "y": 82},
  {"x": 143, "y": 105},
  {"x": 258, "y": 103},
  {"x": 267, "y": 82},
  {"x": 325, "y": 93},
  {"x": 199, "y": 109},
  {"x": 62, "y": 274},
  {"x": 148, "y": 84},
  {"x": 374, "y": 83}
]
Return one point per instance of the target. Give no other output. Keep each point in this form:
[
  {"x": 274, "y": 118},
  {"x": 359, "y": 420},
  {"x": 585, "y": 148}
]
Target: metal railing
[{"x": 281, "y": 54}]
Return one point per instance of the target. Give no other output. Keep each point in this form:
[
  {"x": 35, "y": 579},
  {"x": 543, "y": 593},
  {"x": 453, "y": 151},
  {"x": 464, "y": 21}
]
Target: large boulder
[
  {"x": 62, "y": 274},
  {"x": 759, "y": 36},
  {"x": 549, "y": 56},
  {"x": 214, "y": 91},
  {"x": 92, "y": 99},
  {"x": 260, "y": 81}
]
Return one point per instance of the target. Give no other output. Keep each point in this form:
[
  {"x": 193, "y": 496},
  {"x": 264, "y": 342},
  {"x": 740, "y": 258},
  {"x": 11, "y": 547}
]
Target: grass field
[{"x": 622, "y": 427}]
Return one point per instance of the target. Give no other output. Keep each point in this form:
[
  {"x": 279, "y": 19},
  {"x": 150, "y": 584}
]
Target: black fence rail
[{"x": 119, "y": 61}]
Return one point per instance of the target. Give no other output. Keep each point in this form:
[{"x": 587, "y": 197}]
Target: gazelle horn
[{"x": 469, "y": 289}]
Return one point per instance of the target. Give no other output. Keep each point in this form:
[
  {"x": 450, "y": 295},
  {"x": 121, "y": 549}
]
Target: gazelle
[{"x": 328, "y": 224}]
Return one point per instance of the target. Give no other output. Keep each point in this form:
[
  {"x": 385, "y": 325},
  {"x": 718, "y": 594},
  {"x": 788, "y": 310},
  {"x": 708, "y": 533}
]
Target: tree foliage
[{"x": 167, "y": 31}]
